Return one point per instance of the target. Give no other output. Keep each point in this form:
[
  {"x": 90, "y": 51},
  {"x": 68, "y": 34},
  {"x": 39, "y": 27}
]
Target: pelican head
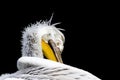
[{"x": 43, "y": 40}]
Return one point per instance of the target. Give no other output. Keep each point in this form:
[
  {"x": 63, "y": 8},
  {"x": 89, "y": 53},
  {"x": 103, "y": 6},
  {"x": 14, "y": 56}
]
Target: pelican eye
[
  {"x": 57, "y": 43},
  {"x": 49, "y": 34}
]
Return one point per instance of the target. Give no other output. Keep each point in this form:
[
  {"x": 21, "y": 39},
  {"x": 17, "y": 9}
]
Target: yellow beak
[{"x": 51, "y": 52}]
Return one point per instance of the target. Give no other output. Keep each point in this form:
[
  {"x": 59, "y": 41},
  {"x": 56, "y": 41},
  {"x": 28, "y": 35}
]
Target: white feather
[
  {"x": 14, "y": 79},
  {"x": 39, "y": 62}
]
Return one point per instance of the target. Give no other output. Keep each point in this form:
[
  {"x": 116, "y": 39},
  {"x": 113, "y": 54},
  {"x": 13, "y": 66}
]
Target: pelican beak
[{"x": 51, "y": 51}]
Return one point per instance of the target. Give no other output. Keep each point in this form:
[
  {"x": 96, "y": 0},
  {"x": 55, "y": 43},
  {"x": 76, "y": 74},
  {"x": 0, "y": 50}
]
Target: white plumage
[{"x": 32, "y": 65}]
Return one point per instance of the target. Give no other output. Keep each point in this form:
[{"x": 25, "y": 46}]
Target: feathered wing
[{"x": 38, "y": 68}]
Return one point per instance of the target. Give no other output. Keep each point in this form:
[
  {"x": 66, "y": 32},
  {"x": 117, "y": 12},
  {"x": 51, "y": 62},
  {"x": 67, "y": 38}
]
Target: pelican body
[{"x": 42, "y": 45}]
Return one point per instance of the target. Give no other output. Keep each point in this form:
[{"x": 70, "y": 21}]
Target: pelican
[{"x": 42, "y": 45}]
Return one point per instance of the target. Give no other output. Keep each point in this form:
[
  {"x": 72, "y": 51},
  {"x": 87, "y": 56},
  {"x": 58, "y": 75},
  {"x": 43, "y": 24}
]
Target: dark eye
[
  {"x": 58, "y": 43},
  {"x": 49, "y": 34}
]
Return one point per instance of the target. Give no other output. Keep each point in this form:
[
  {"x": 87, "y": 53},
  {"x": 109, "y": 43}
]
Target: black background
[{"x": 86, "y": 34}]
